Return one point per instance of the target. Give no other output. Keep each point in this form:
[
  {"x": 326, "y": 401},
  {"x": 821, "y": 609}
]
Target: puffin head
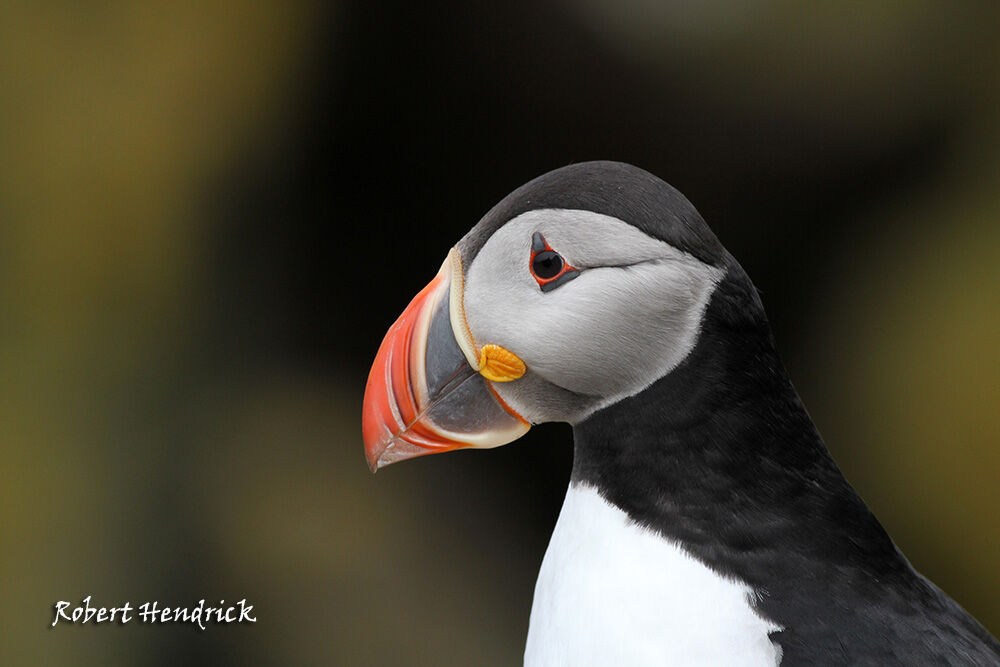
[{"x": 579, "y": 289}]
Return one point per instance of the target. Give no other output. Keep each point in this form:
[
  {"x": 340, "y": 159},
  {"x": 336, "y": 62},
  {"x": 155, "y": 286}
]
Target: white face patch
[{"x": 629, "y": 318}]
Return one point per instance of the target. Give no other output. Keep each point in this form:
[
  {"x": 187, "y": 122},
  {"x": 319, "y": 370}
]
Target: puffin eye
[{"x": 547, "y": 266}]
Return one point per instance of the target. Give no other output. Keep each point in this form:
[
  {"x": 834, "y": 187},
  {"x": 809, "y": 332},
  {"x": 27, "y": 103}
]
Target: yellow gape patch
[{"x": 499, "y": 364}]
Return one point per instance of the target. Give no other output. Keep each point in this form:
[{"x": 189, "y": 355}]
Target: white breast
[{"x": 613, "y": 593}]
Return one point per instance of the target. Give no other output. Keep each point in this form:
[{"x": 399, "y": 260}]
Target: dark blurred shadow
[{"x": 213, "y": 212}]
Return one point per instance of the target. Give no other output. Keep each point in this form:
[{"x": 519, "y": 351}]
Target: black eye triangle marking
[
  {"x": 538, "y": 242},
  {"x": 561, "y": 280}
]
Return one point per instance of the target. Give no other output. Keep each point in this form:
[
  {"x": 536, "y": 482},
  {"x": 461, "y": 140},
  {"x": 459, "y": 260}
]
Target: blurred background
[{"x": 210, "y": 213}]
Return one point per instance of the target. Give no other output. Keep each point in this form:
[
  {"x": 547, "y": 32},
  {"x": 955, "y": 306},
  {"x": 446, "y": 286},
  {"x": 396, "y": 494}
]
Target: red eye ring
[{"x": 547, "y": 266}]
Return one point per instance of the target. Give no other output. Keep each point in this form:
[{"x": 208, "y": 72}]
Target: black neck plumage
[{"x": 721, "y": 456}]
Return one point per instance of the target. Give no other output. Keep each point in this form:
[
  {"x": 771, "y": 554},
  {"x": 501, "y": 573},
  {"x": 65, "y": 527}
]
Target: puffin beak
[{"x": 428, "y": 390}]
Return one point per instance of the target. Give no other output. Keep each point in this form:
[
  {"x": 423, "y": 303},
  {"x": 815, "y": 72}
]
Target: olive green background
[{"x": 211, "y": 211}]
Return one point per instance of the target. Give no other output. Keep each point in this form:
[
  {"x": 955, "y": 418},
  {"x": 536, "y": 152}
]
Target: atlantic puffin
[{"x": 705, "y": 521}]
